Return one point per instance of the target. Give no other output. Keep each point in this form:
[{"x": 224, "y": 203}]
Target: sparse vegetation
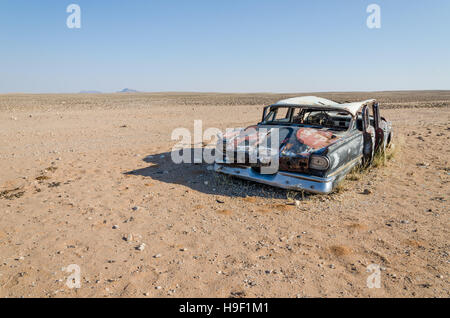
[
  {"x": 340, "y": 187},
  {"x": 356, "y": 173},
  {"x": 380, "y": 160},
  {"x": 11, "y": 194},
  {"x": 42, "y": 178}
]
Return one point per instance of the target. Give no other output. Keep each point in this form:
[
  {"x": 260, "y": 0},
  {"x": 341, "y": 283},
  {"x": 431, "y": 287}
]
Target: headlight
[{"x": 319, "y": 163}]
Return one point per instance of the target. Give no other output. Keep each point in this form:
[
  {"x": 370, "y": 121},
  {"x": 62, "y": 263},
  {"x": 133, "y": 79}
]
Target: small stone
[
  {"x": 141, "y": 247},
  {"x": 367, "y": 191},
  {"x": 135, "y": 208},
  {"x": 158, "y": 287},
  {"x": 183, "y": 249},
  {"x": 157, "y": 256},
  {"x": 115, "y": 227},
  {"x": 127, "y": 237},
  {"x": 332, "y": 266},
  {"x": 147, "y": 294}
]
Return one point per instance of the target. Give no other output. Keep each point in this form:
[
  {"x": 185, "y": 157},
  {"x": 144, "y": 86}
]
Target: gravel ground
[{"x": 88, "y": 180}]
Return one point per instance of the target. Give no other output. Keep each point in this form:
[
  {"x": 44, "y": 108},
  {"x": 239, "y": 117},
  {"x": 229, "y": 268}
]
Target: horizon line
[{"x": 94, "y": 92}]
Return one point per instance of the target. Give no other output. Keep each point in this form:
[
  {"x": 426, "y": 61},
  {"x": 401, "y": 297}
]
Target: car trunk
[{"x": 253, "y": 147}]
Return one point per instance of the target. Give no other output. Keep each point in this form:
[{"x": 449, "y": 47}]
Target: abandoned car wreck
[{"x": 318, "y": 142}]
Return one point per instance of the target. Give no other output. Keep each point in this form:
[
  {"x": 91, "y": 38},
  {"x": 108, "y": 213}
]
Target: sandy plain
[{"x": 87, "y": 180}]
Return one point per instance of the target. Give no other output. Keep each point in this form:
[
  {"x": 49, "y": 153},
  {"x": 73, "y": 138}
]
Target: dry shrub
[
  {"x": 42, "y": 178},
  {"x": 380, "y": 159},
  {"x": 11, "y": 194},
  {"x": 340, "y": 187}
]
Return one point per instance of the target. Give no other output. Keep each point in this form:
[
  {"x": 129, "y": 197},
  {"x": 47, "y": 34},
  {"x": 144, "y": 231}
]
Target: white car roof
[{"x": 313, "y": 101}]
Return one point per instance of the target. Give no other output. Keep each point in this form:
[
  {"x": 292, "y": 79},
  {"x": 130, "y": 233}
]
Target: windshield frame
[{"x": 290, "y": 111}]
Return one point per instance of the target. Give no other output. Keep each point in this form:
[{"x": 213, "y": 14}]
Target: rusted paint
[{"x": 316, "y": 138}]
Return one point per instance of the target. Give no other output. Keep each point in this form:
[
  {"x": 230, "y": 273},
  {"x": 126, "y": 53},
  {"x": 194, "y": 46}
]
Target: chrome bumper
[{"x": 285, "y": 180}]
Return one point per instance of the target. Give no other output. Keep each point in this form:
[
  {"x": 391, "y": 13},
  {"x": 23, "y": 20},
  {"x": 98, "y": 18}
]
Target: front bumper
[{"x": 285, "y": 180}]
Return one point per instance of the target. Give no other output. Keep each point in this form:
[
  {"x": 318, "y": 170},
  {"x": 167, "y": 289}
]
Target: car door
[
  {"x": 368, "y": 145},
  {"x": 379, "y": 133}
]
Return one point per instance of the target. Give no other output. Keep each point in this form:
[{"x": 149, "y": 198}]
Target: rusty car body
[{"x": 320, "y": 141}]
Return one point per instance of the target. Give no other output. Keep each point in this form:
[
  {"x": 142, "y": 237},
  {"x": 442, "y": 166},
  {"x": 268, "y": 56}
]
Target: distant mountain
[
  {"x": 128, "y": 90},
  {"x": 90, "y": 92}
]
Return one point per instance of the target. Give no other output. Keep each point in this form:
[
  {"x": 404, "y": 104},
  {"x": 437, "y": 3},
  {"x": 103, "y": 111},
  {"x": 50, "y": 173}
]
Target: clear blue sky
[{"x": 224, "y": 46}]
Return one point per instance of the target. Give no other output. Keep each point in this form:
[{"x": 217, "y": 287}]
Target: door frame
[
  {"x": 368, "y": 146},
  {"x": 379, "y": 133}
]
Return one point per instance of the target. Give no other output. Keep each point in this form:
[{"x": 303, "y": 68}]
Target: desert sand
[{"x": 87, "y": 179}]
